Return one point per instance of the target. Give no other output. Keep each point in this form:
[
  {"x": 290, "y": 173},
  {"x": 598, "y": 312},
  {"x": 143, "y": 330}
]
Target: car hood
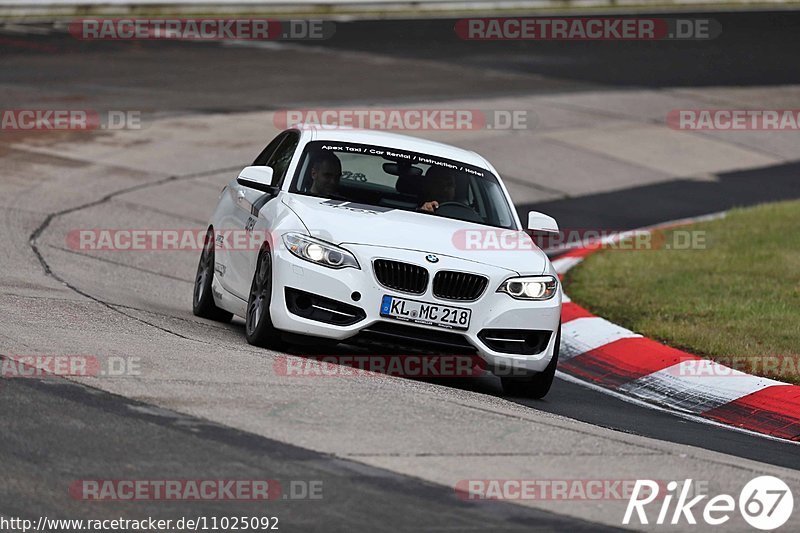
[{"x": 342, "y": 222}]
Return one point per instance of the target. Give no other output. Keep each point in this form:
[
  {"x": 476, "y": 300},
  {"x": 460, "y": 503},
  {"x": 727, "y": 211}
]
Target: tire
[
  {"x": 203, "y": 300},
  {"x": 536, "y": 386},
  {"x": 259, "y": 330}
]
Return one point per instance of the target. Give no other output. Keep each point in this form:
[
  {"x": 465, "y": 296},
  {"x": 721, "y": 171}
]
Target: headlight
[
  {"x": 530, "y": 287},
  {"x": 318, "y": 251}
]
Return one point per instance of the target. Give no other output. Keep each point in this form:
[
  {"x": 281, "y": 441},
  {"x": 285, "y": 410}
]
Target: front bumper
[{"x": 492, "y": 310}]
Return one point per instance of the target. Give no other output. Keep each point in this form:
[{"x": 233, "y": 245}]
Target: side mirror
[
  {"x": 540, "y": 222},
  {"x": 259, "y": 178}
]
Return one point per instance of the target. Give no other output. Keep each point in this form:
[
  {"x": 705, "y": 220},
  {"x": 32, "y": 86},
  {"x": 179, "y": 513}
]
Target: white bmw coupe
[{"x": 353, "y": 235}]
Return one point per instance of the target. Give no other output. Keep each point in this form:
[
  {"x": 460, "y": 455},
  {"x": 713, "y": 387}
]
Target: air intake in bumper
[
  {"x": 516, "y": 341},
  {"x": 315, "y": 307},
  {"x": 412, "y": 338}
]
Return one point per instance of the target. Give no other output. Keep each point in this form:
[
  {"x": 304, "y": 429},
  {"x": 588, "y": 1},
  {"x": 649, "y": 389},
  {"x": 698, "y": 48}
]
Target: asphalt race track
[{"x": 388, "y": 451}]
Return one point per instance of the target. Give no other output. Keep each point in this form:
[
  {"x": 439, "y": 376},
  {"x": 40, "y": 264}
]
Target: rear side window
[
  {"x": 279, "y": 159},
  {"x": 278, "y": 154},
  {"x": 263, "y": 157}
]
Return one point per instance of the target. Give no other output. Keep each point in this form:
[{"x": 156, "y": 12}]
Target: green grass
[{"x": 739, "y": 295}]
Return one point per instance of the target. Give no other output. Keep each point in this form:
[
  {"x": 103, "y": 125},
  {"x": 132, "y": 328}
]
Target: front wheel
[
  {"x": 203, "y": 301},
  {"x": 259, "y": 330},
  {"x": 536, "y": 386}
]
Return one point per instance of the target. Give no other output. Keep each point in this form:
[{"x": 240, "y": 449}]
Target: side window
[
  {"x": 279, "y": 160},
  {"x": 263, "y": 157}
]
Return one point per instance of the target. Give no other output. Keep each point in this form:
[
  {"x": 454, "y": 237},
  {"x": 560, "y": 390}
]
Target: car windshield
[{"x": 398, "y": 179}]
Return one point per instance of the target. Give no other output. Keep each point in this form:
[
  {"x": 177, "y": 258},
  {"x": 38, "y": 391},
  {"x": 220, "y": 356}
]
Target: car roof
[{"x": 395, "y": 140}]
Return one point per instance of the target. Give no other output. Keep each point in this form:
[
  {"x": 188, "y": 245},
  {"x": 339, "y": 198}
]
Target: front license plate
[{"x": 443, "y": 316}]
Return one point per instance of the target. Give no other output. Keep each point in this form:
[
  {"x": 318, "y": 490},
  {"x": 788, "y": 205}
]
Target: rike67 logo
[{"x": 765, "y": 503}]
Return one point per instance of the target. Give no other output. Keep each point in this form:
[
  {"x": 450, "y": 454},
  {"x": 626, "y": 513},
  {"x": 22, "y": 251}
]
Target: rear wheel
[
  {"x": 536, "y": 386},
  {"x": 203, "y": 301},
  {"x": 259, "y": 330}
]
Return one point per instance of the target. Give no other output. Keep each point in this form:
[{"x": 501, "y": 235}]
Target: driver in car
[
  {"x": 326, "y": 171},
  {"x": 439, "y": 187}
]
